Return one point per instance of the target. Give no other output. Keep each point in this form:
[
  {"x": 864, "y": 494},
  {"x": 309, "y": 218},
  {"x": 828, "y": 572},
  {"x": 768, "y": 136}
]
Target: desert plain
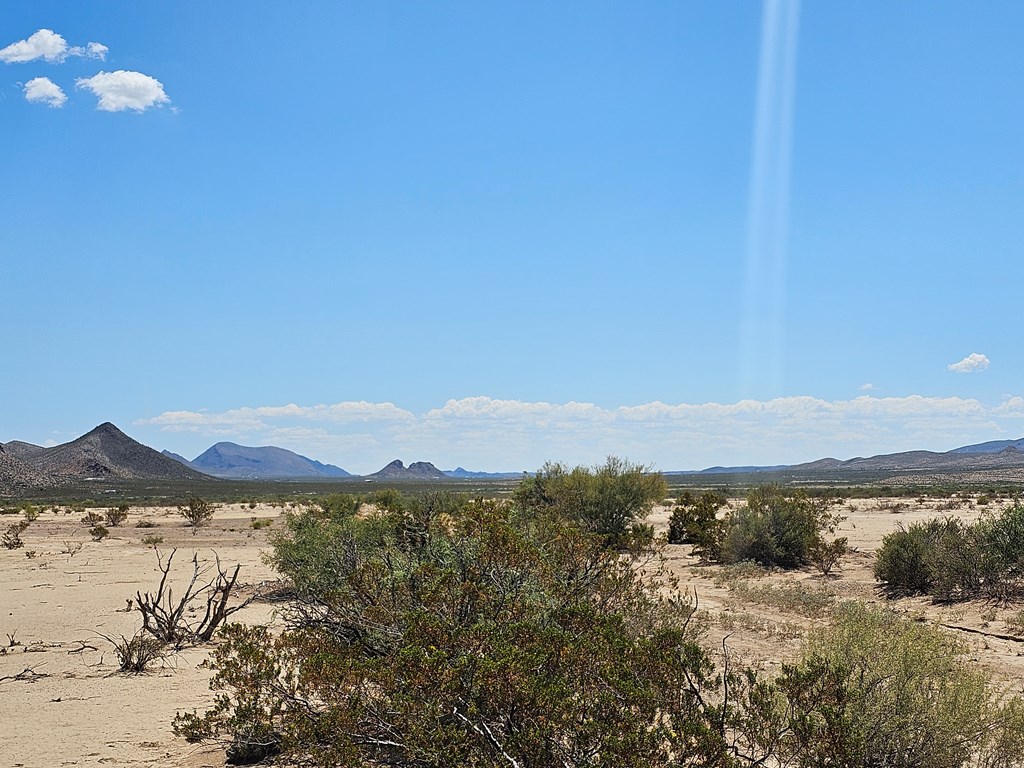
[{"x": 64, "y": 597}]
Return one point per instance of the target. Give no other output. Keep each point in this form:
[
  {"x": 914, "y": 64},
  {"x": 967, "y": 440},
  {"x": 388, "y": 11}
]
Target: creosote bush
[
  {"x": 197, "y": 513},
  {"x": 695, "y": 521},
  {"x": 117, "y": 515},
  {"x": 952, "y": 560},
  {"x": 12, "y": 536},
  {"x": 610, "y": 500},
  {"x": 877, "y": 690}
]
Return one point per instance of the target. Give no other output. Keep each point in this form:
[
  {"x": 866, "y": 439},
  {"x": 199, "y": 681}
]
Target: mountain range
[{"x": 108, "y": 454}]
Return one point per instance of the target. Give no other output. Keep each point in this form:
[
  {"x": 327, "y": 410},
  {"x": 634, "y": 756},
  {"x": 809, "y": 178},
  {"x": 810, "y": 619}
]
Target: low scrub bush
[
  {"x": 117, "y": 515},
  {"x": 137, "y": 653},
  {"x": 197, "y": 513},
  {"x": 99, "y": 532},
  {"x": 952, "y": 560},
  {"x": 780, "y": 529},
  {"x": 877, "y": 690},
  {"x": 695, "y": 521},
  {"x": 12, "y": 536},
  {"x": 607, "y": 500}
]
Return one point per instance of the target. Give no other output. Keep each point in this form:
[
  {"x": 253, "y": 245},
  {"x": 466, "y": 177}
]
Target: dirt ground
[{"x": 64, "y": 703}]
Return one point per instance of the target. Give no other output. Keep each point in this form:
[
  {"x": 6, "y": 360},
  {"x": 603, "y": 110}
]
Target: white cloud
[
  {"x": 973, "y": 362},
  {"x": 44, "y": 44},
  {"x": 867, "y": 387},
  {"x": 90, "y": 51},
  {"x": 47, "y": 45},
  {"x": 492, "y": 434},
  {"x": 123, "y": 90},
  {"x": 44, "y": 91}
]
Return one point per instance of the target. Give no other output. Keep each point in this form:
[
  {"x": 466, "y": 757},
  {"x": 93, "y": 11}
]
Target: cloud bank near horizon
[{"x": 484, "y": 433}]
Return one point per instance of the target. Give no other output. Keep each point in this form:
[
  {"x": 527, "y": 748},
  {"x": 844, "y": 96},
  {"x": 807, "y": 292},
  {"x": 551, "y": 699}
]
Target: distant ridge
[
  {"x": 418, "y": 470},
  {"x": 464, "y": 474},
  {"x": 994, "y": 446},
  {"x": 240, "y": 462}
]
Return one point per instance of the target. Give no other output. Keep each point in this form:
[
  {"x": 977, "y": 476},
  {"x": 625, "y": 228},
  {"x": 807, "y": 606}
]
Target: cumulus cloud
[
  {"x": 970, "y": 364},
  {"x": 866, "y": 387},
  {"x": 43, "y": 90},
  {"x": 494, "y": 434},
  {"x": 124, "y": 90},
  {"x": 47, "y": 45}
]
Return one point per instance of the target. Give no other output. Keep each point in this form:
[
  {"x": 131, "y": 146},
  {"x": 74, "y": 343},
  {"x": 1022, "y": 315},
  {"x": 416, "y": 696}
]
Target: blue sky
[{"x": 492, "y": 234}]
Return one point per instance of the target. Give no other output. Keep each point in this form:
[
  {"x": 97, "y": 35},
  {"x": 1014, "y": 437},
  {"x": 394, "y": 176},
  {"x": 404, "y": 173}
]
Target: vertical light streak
[{"x": 762, "y": 333}]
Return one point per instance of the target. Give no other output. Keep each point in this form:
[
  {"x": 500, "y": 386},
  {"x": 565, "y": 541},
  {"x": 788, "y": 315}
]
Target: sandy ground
[
  {"x": 75, "y": 708},
  {"x": 72, "y": 707}
]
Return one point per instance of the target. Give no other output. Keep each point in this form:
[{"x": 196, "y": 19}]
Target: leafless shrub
[
  {"x": 207, "y": 594},
  {"x": 71, "y": 548}
]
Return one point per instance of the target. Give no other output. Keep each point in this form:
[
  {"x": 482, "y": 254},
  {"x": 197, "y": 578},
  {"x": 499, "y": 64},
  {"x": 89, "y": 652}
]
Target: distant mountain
[
  {"x": 103, "y": 453},
  {"x": 177, "y": 457},
  {"x": 418, "y": 470},
  {"x": 464, "y": 474},
  {"x": 230, "y": 460},
  {"x": 994, "y": 446}
]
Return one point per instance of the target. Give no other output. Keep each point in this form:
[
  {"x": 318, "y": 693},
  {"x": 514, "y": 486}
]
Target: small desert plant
[
  {"x": 30, "y": 513},
  {"x": 152, "y": 540},
  {"x": 117, "y": 515},
  {"x": 825, "y": 556},
  {"x": 12, "y": 538},
  {"x": 258, "y": 523},
  {"x": 197, "y": 513},
  {"x": 135, "y": 654},
  {"x": 145, "y": 524},
  {"x": 71, "y": 548},
  {"x": 31, "y": 554},
  {"x": 92, "y": 517},
  {"x": 99, "y": 532}
]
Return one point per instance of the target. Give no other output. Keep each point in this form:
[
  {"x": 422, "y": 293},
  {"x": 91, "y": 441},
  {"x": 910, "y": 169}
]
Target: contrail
[{"x": 762, "y": 333}]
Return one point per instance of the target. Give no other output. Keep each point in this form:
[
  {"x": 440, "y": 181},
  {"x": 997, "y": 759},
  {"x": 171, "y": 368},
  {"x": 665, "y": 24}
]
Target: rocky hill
[
  {"x": 418, "y": 470},
  {"x": 240, "y": 462},
  {"x": 16, "y": 475},
  {"x": 105, "y": 453}
]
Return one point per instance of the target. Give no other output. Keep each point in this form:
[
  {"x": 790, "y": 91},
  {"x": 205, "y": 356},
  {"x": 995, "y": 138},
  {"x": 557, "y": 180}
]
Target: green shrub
[
  {"x": 437, "y": 633},
  {"x": 30, "y": 513},
  {"x": 877, "y": 690},
  {"x": 99, "y": 532},
  {"x": 12, "y": 536},
  {"x": 694, "y": 520},
  {"x": 197, "y": 513},
  {"x": 951, "y": 560},
  {"x": 606, "y": 500},
  {"x": 777, "y": 528},
  {"x": 259, "y": 523},
  {"x": 117, "y": 515}
]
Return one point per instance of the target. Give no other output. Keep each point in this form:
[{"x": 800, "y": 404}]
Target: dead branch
[{"x": 168, "y": 620}]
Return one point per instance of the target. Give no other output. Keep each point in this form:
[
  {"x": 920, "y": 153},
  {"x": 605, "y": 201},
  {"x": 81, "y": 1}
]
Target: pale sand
[{"x": 82, "y": 712}]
